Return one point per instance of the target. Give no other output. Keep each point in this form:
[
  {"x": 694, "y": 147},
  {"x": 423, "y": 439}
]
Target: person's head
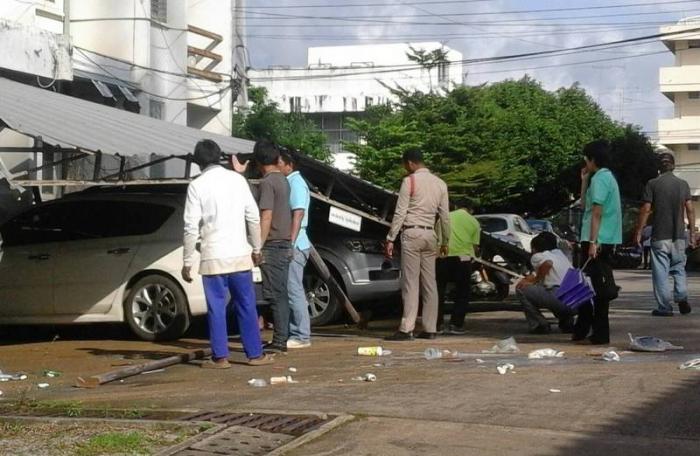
[
  {"x": 597, "y": 155},
  {"x": 543, "y": 242},
  {"x": 413, "y": 159},
  {"x": 287, "y": 163},
  {"x": 667, "y": 162},
  {"x": 266, "y": 153},
  {"x": 207, "y": 153}
]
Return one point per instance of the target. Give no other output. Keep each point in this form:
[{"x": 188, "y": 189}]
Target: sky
[{"x": 623, "y": 80}]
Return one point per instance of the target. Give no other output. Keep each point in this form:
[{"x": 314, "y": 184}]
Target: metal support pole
[
  {"x": 98, "y": 166},
  {"x": 122, "y": 167},
  {"x": 188, "y": 166}
]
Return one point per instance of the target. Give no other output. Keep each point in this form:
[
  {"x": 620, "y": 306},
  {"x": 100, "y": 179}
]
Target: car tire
[
  {"x": 156, "y": 309},
  {"x": 324, "y": 306}
]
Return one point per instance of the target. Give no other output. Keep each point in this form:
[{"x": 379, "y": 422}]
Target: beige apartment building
[{"x": 681, "y": 84}]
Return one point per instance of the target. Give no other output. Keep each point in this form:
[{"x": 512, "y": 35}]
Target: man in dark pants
[
  {"x": 456, "y": 268},
  {"x": 601, "y": 231},
  {"x": 276, "y": 233}
]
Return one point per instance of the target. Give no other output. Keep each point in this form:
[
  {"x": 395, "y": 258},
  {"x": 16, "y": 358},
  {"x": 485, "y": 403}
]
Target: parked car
[
  {"x": 512, "y": 226},
  {"x": 540, "y": 226},
  {"x": 115, "y": 254}
]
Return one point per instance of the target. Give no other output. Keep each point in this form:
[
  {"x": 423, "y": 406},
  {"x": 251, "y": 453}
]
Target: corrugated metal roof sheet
[{"x": 66, "y": 121}]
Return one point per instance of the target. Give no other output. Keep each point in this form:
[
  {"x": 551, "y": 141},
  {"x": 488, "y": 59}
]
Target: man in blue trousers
[{"x": 220, "y": 209}]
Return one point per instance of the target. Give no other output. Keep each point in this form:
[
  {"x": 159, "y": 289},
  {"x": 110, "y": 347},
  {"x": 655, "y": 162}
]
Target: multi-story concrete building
[
  {"x": 181, "y": 61},
  {"x": 681, "y": 84},
  {"x": 339, "y": 82}
]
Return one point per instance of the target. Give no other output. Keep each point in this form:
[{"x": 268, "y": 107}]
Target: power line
[
  {"x": 422, "y": 3},
  {"x": 487, "y": 13},
  {"x": 514, "y": 23}
]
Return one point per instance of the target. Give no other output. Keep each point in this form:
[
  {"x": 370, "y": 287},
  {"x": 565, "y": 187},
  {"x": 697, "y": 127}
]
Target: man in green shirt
[
  {"x": 465, "y": 236},
  {"x": 601, "y": 231}
]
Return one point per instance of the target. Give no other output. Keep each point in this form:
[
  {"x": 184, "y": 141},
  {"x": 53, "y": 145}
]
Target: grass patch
[
  {"x": 11, "y": 429},
  {"x": 134, "y": 442}
]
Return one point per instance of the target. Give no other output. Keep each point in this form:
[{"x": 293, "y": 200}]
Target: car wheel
[
  {"x": 324, "y": 305},
  {"x": 156, "y": 309}
]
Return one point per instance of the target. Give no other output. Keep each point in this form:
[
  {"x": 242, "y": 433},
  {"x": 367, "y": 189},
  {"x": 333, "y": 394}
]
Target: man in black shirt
[
  {"x": 276, "y": 233},
  {"x": 669, "y": 198}
]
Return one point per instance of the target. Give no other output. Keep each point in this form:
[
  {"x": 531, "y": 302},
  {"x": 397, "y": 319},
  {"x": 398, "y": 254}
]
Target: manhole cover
[{"x": 294, "y": 425}]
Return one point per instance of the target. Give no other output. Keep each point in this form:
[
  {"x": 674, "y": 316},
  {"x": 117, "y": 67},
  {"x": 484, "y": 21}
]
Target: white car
[
  {"x": 100, "y": 257},
  {"x": 511, "y": 226}
]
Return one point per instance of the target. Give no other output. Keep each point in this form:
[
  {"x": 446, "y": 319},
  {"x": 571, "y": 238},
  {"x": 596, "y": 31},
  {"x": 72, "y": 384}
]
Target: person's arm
[
  {"x": 540, "y": 274},
  {"x": 399, "y": 217},
  {"x": 298, "y": 196},
  {"x": 267, "y": 203},
  {"x": 444, "y": 214},
  {"x": 690, "y": 214},
  {"x": 585, "y": 180},
  {"x": 297, "y": 217},
  {"x": 644, "y": 212},
  {"x": 596, "y": 217},
  {"x": 252, "y": 219},
  {"x": 193, "y": 217}
]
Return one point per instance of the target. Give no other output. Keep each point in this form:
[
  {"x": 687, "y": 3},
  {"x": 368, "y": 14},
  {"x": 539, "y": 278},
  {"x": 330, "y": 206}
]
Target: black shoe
[
  {"x": 661, "y": 313},
  {"x": 274, "y": 348},
  {"x": 426, "y": 335},
  {"x": 684, "y": 307},
  {"x": 455, "y": 330},
  {"x": 400, "y": 336},
  {"x": 541, "y": 330}
]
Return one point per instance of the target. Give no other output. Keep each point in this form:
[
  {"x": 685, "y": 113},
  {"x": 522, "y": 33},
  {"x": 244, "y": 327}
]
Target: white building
[
  {"x": 681, "y": 84},
  {"x": 342, "y": 81},
  {"x": 181, "y": 61}
]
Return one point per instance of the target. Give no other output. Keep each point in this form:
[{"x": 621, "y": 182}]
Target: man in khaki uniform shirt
[{"x": 422, "y": 198}]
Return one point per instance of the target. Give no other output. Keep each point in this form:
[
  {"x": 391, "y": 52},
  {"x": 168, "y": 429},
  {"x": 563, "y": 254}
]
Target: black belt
[{"x": 418, "y": 227}]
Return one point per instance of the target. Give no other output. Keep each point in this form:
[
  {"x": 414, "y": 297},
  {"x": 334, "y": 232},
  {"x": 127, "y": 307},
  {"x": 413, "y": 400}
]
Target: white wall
[{"x": 353, "y": 77}]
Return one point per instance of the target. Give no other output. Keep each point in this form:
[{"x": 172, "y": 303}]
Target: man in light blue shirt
[{"x": 299, "y": 200}]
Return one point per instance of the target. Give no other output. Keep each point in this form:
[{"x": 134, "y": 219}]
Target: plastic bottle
[
  {"x": 432, "y": 353},
  {"x": 370, "y": 351},
  {"x": 257, "y": 383}
]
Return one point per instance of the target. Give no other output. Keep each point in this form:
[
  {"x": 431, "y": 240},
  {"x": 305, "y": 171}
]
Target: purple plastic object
[{"x": 574, "y": 289}]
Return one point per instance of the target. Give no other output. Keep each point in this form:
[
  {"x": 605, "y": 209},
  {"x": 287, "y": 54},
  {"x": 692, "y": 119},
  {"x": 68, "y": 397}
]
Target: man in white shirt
[
  {"x": 221, "y": 210},
  {"x": 537, "y": 290}
]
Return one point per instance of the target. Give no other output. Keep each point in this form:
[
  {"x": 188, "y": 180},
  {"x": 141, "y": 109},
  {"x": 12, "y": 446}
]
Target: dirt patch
[{"x": 89, "y": 438}]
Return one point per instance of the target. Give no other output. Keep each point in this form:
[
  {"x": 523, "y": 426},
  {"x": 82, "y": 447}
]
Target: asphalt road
[{"x": 643, "y": 405}]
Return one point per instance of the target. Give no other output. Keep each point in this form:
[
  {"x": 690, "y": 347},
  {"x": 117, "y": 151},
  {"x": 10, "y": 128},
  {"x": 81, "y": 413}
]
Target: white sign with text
[{"x": 345, "y": 219}]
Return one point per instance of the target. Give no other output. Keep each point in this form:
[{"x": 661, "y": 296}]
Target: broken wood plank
[
  {"x": 333, "y": 285},
  {"x": 96, "y": 380}
]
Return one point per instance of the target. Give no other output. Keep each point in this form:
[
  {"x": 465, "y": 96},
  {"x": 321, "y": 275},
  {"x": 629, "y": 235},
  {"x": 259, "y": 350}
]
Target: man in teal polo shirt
[
  {"x": 601, "y": 231},
  {"x": 299, "y": 200}
]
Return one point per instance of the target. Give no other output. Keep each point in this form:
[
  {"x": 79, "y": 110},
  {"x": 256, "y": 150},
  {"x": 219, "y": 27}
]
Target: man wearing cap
[
  {"x": 422, "y": 199},
  {"x": 667, "y": 199}
]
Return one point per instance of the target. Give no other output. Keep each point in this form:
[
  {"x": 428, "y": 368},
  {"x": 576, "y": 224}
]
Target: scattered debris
[
  {"x": 154, "y": 371},
  {"x": 651, "y": 344},
  {"x": 292, "y": 369},
  {"x": 504, "y": 346},
  {"x": 554, "y": 390},
  {"x": 282, "y": 380},
  {"x": 480, "y": 361},
  {"x": 42, "y": 385},
  {"x": 599, "y": 352},
  {"x": 611, "y": 356},
  {"x": 370, "y": 351},
  {"x": 432, "y": 353},
  {"x": 545, "y": 353},
  {"x": 366, "y": 378},
  {"x": 13, "y": 377},
  {"x": 0, "y": 393},
  {"x": 257, "y": 382},
  {"x": 504, "y": 368},
  {"x": 52, "y": 373},
  {"x": 693, "y": 364}
]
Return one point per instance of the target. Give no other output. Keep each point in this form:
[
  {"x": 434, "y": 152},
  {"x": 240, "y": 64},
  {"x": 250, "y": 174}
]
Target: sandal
[
  {"x": 211, "y": 364},
  {"x": 263, "y": 360}
]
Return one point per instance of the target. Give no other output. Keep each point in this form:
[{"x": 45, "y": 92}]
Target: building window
[
  {"x": 694, "y": 95},
  {"x": 354, "y": 104},
  {"x": 159, "y": 10},
  {"x": 693, "y": 44},
  {"x": 694, "y": 147},
  {"x": 155, "y": 109},
  {"x": 294, "y": 104},
  {"x": 369, "y": 101},
  {"x": 443, "y": 73}
]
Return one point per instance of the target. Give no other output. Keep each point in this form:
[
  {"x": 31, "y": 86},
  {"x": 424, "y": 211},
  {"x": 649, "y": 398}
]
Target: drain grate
[{"x": 294, "y": 425}]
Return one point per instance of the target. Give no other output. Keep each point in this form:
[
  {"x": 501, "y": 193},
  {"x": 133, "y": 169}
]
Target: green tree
[
  {"x": 293, "y": 130},
  {"x": 506, "y": 146}
]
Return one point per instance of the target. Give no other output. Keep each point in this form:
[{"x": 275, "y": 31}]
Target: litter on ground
[
  {"x": 611, "y": 356},
  {"x": 554, "y": 390},
  {"x": 545, "y": 353},
  {"x": 651, "y": 344},
  {"x": 257, "y": 382},
  {"x": 504, "y": 346},
  {"x": 366, "y": 378},
  {"x": 693, "y": 364},
  {"x": 43, "y": 385},
  {"x": 504, "y": 368}
]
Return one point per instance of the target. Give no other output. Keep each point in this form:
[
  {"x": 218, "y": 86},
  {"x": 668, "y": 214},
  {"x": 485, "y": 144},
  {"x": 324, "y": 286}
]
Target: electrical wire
[{"x": 422, "y": 3}]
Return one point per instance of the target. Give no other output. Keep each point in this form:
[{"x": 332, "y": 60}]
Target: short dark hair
[
  {"x": 544, "y": 241},
  {"x": 206, "y": 153},
  {"x": 288, "y": 158},
  {"x": 266, "y": 152},
  {"x": 667, "y": 162},
  {"x": 598, "y": 152},
  {"x": 413, "y": 155}
]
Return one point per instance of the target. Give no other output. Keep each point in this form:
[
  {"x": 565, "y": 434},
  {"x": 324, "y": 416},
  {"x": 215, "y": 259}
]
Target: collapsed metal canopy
[{"x": 68, "y": 122}]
